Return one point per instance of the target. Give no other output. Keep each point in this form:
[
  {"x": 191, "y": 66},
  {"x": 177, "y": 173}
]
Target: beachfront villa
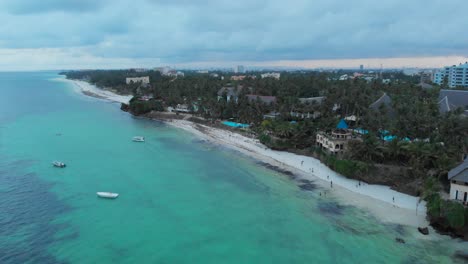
[
  {"x": 458, "y": 178},
  {"x": 231, "y": 93},
  {"x": 337, "y": 141},
  {"x": 144, "y": 80},
  {"x": 307, "y": 114}
]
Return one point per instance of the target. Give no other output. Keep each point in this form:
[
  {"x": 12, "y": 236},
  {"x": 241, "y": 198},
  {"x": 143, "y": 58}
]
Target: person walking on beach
[
  {"x": 302, "y": 162},
  {"x": 393, "y": 199},
  {"x": 331, "y": 184}
]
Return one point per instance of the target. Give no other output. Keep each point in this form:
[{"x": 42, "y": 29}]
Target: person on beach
[
  {"x": 393, "y": 199},
  {"x": 331, "y": 184},
  {"x": 359, "y": 183},
  {"x": 302, "y": 162},
  {"x": 328, "y": 176}
]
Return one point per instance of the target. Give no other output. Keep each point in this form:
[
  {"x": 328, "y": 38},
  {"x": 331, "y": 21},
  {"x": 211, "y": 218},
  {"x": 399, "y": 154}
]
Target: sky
[{"x": 75, "y": 34}]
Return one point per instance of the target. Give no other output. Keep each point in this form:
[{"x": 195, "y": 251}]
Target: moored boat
[
  {"x": 107, "y": 195},
  {"x": 59, "y": 164},
  {"x": 138, "y": 139}
]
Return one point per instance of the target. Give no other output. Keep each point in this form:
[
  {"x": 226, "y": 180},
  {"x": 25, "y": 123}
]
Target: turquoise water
[
  {"x": 181, "y": 200},
  {"x": 234, "y": 124}
]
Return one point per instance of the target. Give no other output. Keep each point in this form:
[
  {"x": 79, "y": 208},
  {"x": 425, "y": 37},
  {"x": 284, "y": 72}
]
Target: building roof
[
  {"x": 311, "y": 100},
  {"x": 452, "y": 99},
  {"x": 383, "y": 100},
  {"x": 230, "y": 91},
  {"x": 263, "y": 99},
  {"x": 459, "y": 173},
  {"x": 342, "y": 125}
]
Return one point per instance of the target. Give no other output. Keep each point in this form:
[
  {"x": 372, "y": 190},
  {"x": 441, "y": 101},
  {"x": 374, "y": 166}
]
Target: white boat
[
  {"x": 59, "y": 164},
  {"x": 138, "y": 139},
  {"x": 108, "y": 195}
]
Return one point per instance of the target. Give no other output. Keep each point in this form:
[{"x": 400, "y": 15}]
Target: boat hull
[{"x": 107, "y": 195}]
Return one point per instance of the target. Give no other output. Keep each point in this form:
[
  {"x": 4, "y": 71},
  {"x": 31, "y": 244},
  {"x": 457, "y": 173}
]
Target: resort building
[
  {"x": 450, "y": 100},
  {"x": 336, "y": 142},
  {"x": 231, "y": 93},
  {"x": 144, "y": 80},
  {"x": 458, "y": 178},
  {"x": 456, "y": 76},
  {"x": 275, "y": 75},
  {"x": 183, "y": 108},
  {"x": 305, "y": 113},
  {"x": 263, "y": 99},
  {"x": 343, "y": 77}
]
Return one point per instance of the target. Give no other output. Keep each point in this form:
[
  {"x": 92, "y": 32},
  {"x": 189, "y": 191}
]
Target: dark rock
[
  {"x": 124, "y": 107},
  {"x": 423, "y": 230},
  {"x": 400, "y": 240}
]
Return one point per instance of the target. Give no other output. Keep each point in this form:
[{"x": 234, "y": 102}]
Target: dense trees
[{"x": 436, "y": 141}]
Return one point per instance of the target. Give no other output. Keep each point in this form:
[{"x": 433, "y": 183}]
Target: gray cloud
[
  {"x": 187, "y": 31},
  {"x": 24, "y": 7}
]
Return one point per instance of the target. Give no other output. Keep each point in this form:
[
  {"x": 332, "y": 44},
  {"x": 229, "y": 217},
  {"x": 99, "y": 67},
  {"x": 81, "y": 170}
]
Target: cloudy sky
[{"x": 55, "y": 34}]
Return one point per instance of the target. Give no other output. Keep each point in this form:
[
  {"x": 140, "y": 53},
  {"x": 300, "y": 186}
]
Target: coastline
[
  {"x": 376, "y": 199},
  {"x": 91, "y": 90}
]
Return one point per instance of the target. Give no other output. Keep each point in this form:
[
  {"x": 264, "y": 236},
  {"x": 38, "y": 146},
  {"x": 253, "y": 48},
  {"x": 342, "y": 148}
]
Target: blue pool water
[{"x": 234, "y": 124}]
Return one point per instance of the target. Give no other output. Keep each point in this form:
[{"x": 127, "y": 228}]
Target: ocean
[{"x": 182, "y": 200}]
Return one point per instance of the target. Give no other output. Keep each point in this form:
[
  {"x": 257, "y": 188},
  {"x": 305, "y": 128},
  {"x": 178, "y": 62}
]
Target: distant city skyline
[{"x": 71, "y": 34}]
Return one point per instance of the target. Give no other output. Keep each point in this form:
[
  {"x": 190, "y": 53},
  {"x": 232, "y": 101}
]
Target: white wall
[{"x": 461, "y": 191}]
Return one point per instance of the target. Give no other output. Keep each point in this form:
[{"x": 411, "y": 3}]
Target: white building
[
  {"x": 334, "y": 143},
  {"x": 343, "y": 77},
  {"x": 163, "y": 70},
  {"x": 457, "y": 76},
  {"x": 275, "y": 75},
  {"x": 458, "y": 177},
  {"x": 143, "y": 80}
]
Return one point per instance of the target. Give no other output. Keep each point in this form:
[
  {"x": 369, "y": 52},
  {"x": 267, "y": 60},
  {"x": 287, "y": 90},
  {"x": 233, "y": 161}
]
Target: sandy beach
[
  {"x": 388, "y": 205},
  {"x": 93, "y": 91}
]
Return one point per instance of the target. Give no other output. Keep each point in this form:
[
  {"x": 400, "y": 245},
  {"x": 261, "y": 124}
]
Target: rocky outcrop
[
  {"x": 423, "y": 230},
  {"x": 124, "y": 107}
]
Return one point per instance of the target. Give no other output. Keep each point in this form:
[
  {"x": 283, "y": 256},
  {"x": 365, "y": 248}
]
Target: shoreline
[
  {"x": 376, "y": 199},
  {"x": 91, "y": 90}
]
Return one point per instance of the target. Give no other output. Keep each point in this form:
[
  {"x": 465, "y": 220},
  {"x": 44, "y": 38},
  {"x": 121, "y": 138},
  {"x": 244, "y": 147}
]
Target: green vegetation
[{"x": 427, "y": 143}]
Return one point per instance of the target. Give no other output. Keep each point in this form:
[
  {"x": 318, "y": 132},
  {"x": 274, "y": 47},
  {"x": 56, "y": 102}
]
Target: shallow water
[{"x": 181, "y": 200}]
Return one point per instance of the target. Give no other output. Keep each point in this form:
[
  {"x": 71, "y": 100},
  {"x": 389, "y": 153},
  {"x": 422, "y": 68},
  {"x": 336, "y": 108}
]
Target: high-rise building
[
  {"x": 456, "y": 76},
  {"x": 361, "y": 67},
  {"x": 240, "y": 69}
]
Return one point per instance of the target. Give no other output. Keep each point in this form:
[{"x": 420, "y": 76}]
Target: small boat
[
  {"x": 108, "y": 195},
  {"x": 138, "y": 139},
  {"x": 59, "y": 164}
]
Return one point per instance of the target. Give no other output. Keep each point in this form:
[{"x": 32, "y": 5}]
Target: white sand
[
  {"x": 377, "y": 199},
  {"x": 85, "y": 87}
]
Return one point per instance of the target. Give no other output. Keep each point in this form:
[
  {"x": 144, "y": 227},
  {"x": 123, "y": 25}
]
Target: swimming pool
[{"x": 234, "y": 124}]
